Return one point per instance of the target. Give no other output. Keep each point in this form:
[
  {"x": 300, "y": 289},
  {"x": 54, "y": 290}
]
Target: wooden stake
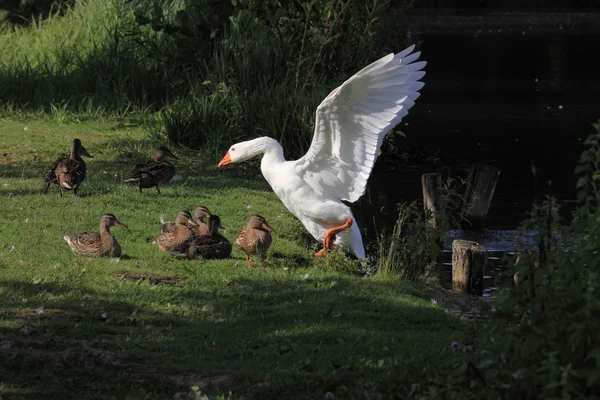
[
  {"x": 468, "y": 261},
  {"x": 478, "y": 194},
  {"x": 432, "y": 197}
]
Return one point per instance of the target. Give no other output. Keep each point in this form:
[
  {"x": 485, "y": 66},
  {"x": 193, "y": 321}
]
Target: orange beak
[
  {"x": 225, "y": 161},
  {"x": 267, "y": 227}
]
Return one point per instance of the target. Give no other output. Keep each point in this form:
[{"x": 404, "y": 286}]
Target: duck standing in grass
[
  {"x": 154, "y": 172},
  {"x": 177, "y": 237},
  {"x": 349, "y": 128},
  {"x": 68, "y": 172},
  {"x": 254, "y": 238},
  {"x": 211, "y": 246},
  {"x": 200, "y": 213},
  {"x": 96, "y": 244}
]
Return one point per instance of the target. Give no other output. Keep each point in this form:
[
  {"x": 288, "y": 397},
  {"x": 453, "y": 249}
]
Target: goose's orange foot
[
  {"x": 321, "y": 252},
  {"x": 248, "y": 261},
  {"x": 330, "y": 233}
]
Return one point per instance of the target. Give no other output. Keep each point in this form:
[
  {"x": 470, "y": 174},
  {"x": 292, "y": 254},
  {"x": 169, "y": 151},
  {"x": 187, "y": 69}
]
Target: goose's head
[{"x": 246, "y": 150}]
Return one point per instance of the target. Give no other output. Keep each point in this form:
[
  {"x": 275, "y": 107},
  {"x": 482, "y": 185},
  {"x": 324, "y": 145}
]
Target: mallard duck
[
  {"x": 213, "y": 245},
  {"x": 199, "y": 214},
  {"x": 254, "y": 238},
  {"x": 177, "y": 237},
  {"x": 96, "y": 244},
  {"x": 68, "y": 172},
  {"x": 154, "y": 172},
  {"x": 350, "y": 125}
]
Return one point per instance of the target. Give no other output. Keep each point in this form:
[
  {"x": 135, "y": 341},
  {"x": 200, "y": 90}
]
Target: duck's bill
[
  {"x": 192, "y": 222},
  {"x": 84, "y": 152},
  {"x": 225, "y": 161},
  {"x": 120, "y": 225},
  {"x": 267, "y": 227}
]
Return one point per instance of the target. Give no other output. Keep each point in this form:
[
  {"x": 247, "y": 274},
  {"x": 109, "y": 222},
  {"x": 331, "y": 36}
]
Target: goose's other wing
[{"x": 352, "y": 121}]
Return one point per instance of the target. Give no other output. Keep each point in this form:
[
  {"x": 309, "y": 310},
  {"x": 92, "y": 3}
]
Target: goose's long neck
[{"x": 272, "y": 152}]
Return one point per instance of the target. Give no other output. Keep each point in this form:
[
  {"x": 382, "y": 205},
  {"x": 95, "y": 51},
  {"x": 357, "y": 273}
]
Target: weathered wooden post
[
  {"x": 468, "y": 261},
  {"x": 478, "y": 194},
  {"x": 432, "y": 197}
]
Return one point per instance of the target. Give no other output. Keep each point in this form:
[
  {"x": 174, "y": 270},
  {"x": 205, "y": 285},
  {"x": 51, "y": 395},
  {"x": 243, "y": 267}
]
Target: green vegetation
[
  {"x": 125, "y": 76},
  {"x": 111, "y": 329}
]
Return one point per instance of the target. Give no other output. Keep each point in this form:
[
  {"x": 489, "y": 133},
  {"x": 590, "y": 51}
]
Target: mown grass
[{"x": 294, "y": 330}]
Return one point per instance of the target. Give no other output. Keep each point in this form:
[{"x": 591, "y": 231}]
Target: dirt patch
[
  {"x": 153, "y": 279},
  {"x": 44, "y": 312}
]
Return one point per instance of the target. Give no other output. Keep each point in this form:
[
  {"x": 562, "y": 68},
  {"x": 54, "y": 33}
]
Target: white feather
[{"x": 350, "y": 125}]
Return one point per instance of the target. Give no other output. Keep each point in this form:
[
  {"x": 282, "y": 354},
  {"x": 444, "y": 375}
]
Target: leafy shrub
[{"x": 541, "y": 341}]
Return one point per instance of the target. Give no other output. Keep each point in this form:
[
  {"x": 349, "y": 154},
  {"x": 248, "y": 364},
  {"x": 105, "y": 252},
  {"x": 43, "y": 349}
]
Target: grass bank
[{"x": 149, "y": 327}]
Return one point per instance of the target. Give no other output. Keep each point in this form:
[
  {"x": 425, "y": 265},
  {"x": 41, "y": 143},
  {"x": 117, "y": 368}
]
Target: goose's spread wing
[{"x": 352, "y": 121}]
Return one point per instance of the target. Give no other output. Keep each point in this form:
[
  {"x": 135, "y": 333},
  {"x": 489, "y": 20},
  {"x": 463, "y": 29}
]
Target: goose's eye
[{"x": 232, "y": 149}]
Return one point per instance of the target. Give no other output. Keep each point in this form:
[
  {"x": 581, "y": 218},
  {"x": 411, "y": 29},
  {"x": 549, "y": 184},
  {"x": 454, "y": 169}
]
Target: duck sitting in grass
[
  {"x": 177, "y": 237},
  {"x": 96, "y": 244},
  {"x": 211, "y": 246},
  {"x": 254, "y": 238},
  {"x": 154, "y": 172},
  {"x": 68, "y": 172},
  {"x": 200, "y": 213}
]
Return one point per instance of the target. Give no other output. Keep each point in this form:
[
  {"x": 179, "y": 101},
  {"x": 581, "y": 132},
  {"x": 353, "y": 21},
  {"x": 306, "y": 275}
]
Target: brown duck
[
  {"x": 200, "y": 213},
  {"x": 68, "y": 172},
  {"x": 154, "y": 172},
  {"x": 177, "y": 237},
  {"x": 211, "y": 246},
  {"x": 96, "y": 244},
  {"x": 254, "y": 238}
]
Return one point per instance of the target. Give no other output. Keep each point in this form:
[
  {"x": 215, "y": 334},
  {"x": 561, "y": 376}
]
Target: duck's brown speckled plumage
[
  {"x": 177, "y": 237},
  {"x": 68, "y": 172},
  {"x": 211, "y": 246},
  {"x": 255, "y": 238},
  {"x": 96, "y": 244},
  {"x": 200, "y": 213},
  {"x": 154, "y": 172}
]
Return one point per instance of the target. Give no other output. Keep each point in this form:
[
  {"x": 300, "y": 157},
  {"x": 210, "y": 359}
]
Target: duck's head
[
  {"x": 201, "y": 212},
  {"x": 214, "y": 223},
  {"x": 109, "y": 220},
  {"x": 77, "y": 148},
  {"x": 259, "y": 222},
  {"x": 162, "y": 153},
  {"x": 243, "y": 151},
  {"x": 185, "y": 218}
]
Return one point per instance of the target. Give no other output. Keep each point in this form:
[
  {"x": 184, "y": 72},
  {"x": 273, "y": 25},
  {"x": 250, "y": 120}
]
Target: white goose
[{"x": 350, "y": 125}]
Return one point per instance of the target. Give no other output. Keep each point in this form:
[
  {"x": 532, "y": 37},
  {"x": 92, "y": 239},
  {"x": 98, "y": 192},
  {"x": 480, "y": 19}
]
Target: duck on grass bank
[
  {"x": 349, "y": 128},
  {"x": 96, "y": 244},
  {"x": 200, "y": 213},
  {"x": 154, "y": 172},
  {"x": 68, "y": 172},
  {"x": 255, "y": 238},
  {"x": 211, "y": 246},
  {"x": 176, "y": 237}
]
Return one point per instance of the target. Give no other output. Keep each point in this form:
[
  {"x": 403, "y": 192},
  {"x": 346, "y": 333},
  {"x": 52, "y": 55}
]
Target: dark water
[
  {"x": 513, "y": 96},
  {"x": 508, "y": 93}
]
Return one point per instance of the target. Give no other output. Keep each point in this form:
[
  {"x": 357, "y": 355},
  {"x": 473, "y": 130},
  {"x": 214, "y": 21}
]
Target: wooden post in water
[
  {"x": 478, "y": 194},
  {"x": 468, "y": 261},
  {"x": 432, "y": 197}
]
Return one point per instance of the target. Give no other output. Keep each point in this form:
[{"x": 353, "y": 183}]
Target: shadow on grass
[{"x": 259, "y": 336}]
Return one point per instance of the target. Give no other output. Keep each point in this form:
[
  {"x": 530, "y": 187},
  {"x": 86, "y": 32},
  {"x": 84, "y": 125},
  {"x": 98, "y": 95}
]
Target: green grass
[{"x": 294, "y": 330}]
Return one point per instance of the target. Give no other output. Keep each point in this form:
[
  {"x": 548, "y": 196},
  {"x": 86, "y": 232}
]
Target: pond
[{"x": 514, "y": 91}]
